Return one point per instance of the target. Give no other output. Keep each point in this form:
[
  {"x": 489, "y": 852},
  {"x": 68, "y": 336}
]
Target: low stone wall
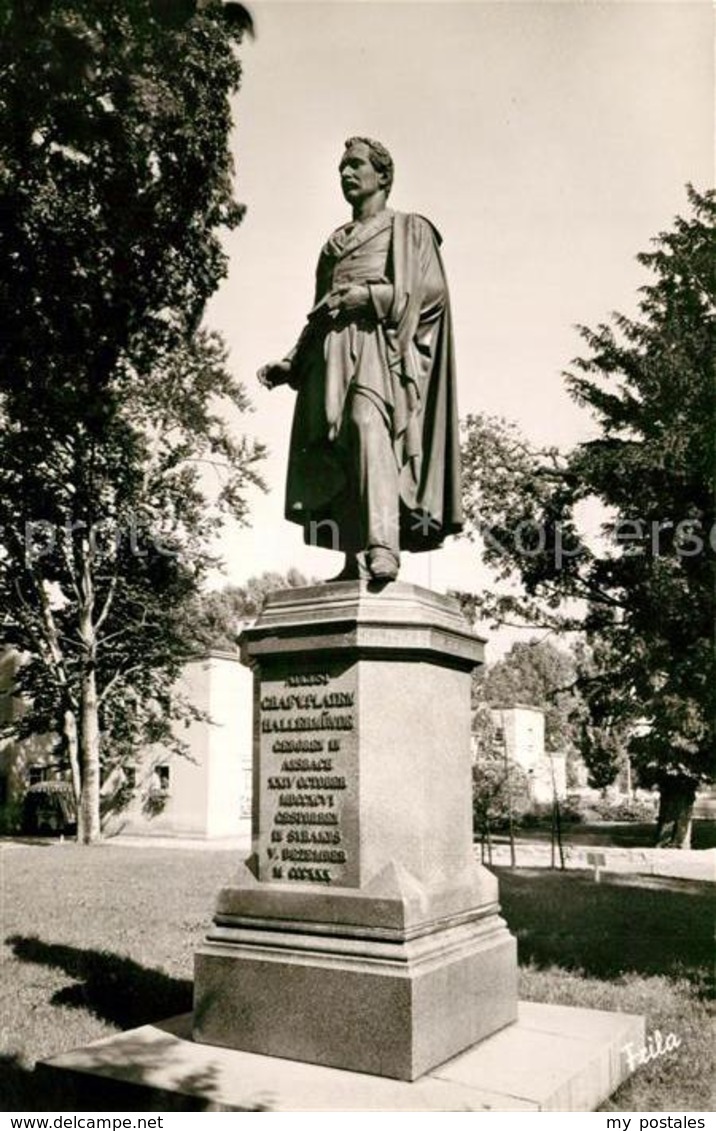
[{"x": 684, "y": 864}]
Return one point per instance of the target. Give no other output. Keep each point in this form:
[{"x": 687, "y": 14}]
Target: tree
[
  {"x": 218, "y": 613},
  {"x": 536, "y": 673},
  {"x": 644, "y": 592},
  {"x": 115, "y": 180},
  {"x": 603, "y": 735},
  {"x": 500, "y": 786}
]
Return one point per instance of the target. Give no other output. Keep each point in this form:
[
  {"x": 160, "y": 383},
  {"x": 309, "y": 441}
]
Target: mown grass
[
  {"x": 635, "y": 944},
  {"x": 95, "y": 940}
]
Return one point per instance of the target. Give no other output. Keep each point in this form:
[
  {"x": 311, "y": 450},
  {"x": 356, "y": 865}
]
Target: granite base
[
  {"x": 371, "y": 1004},
  {"x": 554, "y": 1058}
]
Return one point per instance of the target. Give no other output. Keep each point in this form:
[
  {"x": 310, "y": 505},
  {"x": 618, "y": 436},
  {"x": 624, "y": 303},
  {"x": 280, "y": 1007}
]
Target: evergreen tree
[{"x": 649, "y": 585}]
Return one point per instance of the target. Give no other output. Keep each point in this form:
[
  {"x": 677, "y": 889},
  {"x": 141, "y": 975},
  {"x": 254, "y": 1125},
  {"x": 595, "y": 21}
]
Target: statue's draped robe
[{"x": 399, "y": 357}]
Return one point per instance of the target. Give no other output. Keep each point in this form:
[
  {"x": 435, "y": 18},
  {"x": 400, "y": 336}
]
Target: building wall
[
  {"x": 207, "y": 794},
  {"x": 522, "y": 728},
  {"x": 549, "y": 776},
  {"x": 230, "y": 742}
]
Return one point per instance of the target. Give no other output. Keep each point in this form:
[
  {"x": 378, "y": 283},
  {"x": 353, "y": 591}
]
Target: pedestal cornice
[{"x": 398, "y": 621}]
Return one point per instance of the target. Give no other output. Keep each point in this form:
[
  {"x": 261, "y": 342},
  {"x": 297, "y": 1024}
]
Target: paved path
[{"x": 683, "y": 864}]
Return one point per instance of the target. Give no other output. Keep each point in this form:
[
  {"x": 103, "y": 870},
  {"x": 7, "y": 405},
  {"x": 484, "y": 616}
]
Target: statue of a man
[{"x": 374, "y": 459}]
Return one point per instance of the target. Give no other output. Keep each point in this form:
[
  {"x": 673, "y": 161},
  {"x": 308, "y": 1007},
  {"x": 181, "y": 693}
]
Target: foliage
[
  {"x": 647, "y": 584},
  {"x": 115, "y": 179},
  {"x": 484, "y": 731},
  {"x": 218, "y": 613},
  {"x": 11, "y": 816},
  {"x": 617, "y": 809},
  {"x": 536, "y": 673},
  {"x": 571, "y": 812},
  {"x": 500, "y": 790}
]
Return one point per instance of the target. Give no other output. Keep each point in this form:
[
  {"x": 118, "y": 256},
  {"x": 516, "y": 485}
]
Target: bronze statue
[{"x": 374, "y": 459}]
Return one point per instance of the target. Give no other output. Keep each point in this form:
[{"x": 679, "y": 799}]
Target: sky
[{"x": 548, "y": 142}]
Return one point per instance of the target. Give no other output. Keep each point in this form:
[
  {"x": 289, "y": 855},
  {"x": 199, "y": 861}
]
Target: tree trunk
[
  {"x": 69, "y": 730},
  {"x": 510, "y": 821},
  {"x": 556, "y": 818},
  {"x": 558, "y": 831},
  {"x": 88, "y": 819},
  {"x": 676, "y": 804}
]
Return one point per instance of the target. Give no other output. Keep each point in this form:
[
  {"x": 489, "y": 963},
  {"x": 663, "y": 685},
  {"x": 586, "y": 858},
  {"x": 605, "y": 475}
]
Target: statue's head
[{"x": 364, "y": 151}]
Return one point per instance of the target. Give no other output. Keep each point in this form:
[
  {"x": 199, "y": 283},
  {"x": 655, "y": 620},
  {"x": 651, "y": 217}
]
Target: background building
[
  {"x": 208, "y": 792},
  {"x": 520, "y": 730},
  {"x": 205, "y": 794}
]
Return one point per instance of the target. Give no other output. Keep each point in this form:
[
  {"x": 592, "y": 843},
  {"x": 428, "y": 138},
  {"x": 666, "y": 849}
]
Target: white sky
[{"x": 547, "y": 141}]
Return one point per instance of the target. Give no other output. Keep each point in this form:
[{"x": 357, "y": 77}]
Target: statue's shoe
[
  {"x": 383, "y": 564},
  {"x": 355, "y": 569}
]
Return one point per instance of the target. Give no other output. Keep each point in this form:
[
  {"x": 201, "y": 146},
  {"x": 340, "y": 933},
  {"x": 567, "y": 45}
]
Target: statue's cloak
[{"x": 401, "y": 358}]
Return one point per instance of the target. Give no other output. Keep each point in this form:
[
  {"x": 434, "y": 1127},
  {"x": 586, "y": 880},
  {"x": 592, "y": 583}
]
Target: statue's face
[{"x": 359, "y": 178}]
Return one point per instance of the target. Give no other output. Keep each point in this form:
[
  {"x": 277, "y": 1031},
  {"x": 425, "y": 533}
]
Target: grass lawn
[
  {"x": 638, "y": 944},
  {"x": 95, "y": 940}
]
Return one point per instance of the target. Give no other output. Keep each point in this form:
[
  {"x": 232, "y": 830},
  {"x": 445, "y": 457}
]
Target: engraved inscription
[{"x": 309, "y": 779}]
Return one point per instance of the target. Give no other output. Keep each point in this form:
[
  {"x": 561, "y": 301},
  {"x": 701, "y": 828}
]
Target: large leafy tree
[
  {"x": 115, "y": 181},
  {"x": 536, "y": 673},
  {"x": 644, "y": 591}
]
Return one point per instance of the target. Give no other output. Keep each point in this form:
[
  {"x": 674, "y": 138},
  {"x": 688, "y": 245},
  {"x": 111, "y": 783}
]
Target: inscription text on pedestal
[{"x": 309, "y": 779}]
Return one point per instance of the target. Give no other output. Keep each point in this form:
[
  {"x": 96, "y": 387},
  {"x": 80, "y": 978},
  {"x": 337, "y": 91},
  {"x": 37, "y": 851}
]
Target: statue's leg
[
  {"x": 355, "y": 568},
  {"x": 374, "y": 487}
]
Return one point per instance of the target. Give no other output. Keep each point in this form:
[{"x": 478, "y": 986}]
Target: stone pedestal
[{"x": 361, "y": 933}]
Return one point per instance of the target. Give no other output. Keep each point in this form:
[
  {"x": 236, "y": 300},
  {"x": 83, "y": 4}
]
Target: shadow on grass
[
  {"x": 114, "y": 988},
  {"x": 33, "y": 841},
  {"x": 18, "y": 1087},
  {"x": 150, "y": 1071},
  {"x": 607, "y": 929}
]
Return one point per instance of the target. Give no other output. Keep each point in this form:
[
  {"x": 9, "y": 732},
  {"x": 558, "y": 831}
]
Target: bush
[
  {"x": 539, "y": 813},
  {"x": 572, "y": 809},
  {"x": 11, "y": 818},
  {"x": 500, "y": 789},
  {"x": 571, "y": 812},
  {"x": 619, "y": 809}
]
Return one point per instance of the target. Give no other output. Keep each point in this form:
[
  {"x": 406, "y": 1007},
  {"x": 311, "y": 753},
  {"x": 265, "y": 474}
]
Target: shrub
[
  {"x": 620, "y": 809},
  {"x": 571, "y": 812},
  {"x": 499, "y": 787},
  {"x": 11, "y": 818},
  {"x": 572, "y": 809}
]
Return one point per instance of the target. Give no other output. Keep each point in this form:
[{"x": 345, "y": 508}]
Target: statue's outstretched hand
[{"x": 275, "y": 373}]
